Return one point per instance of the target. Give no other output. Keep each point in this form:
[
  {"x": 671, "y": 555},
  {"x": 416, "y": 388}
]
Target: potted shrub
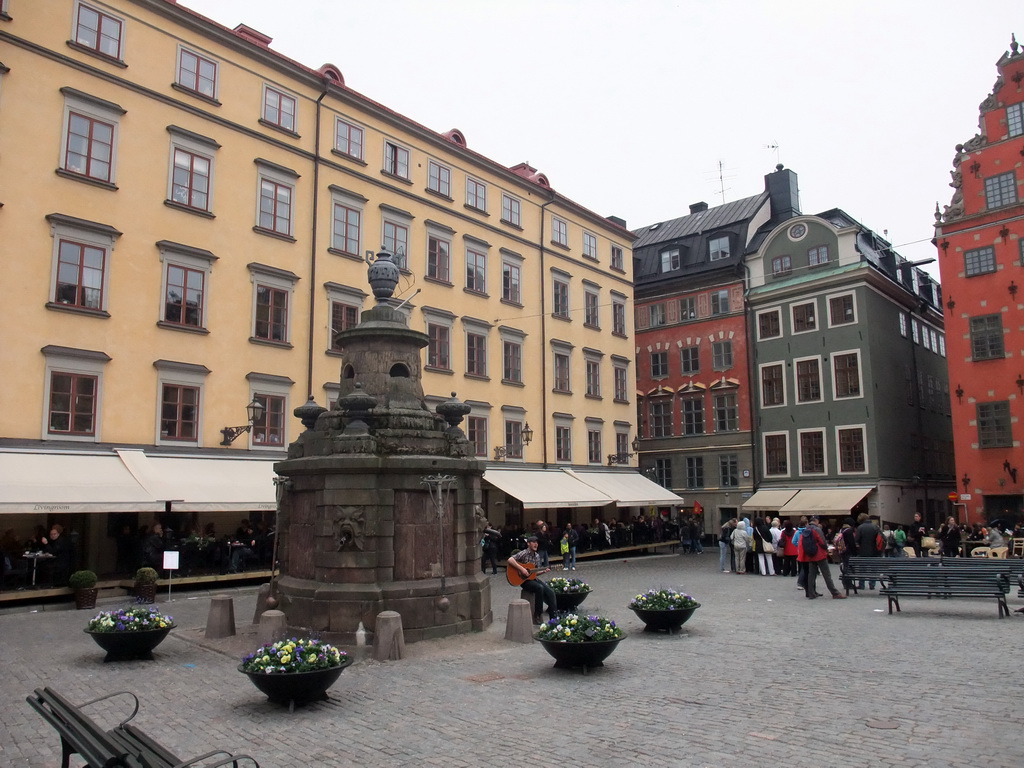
[
  {"x": 129, "y": 633},
  {"x": 569, "y": 593},
  {"x": 145, "y": 585},
  {"x": 83, "y": 584},
  {"x": 663, "y": 609},
  {"x": 580, "y": 641},
  {"x": 295, "y": 671}
]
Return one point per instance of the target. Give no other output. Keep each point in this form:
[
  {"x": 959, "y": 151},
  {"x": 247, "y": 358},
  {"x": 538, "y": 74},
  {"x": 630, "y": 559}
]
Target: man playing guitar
[{"x": 525, "y": 564}]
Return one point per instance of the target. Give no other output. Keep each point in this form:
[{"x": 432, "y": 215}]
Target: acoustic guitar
[{"x": 515, "y": 578}]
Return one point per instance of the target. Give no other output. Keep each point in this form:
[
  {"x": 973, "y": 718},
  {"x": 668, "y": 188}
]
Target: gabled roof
[{"x": 695, "y": 223}]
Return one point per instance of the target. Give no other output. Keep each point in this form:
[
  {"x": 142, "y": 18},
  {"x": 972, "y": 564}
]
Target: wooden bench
[
  {"x": 123, "y": 746},
  {"x": 946, "y": 583}
]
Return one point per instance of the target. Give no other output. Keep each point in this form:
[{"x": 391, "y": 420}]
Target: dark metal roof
[{"x": 695, "y": 223}]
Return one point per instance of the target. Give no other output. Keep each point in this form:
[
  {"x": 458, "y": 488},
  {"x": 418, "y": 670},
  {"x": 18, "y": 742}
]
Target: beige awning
[
  {"x": 628, "y": 488},
  {"x": 205, "y": 483},
  {"x": 544, "y": 488},
  {"x": 70, "y": 482},
  {"x": 769, "y": 500},
  {"x": 829, "y": 501}
]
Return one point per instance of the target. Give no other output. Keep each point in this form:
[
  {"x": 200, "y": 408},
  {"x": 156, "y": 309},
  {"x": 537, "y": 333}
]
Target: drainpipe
[
  {"x": 754, "y": 390},
  {"x": 313, "y": 246},
  {"x": 543, "y": 340}
]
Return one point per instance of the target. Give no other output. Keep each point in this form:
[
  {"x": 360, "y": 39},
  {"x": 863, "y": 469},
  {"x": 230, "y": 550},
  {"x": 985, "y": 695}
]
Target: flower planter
[
  {"x": 664, "y": 621},
  {"x": 575, "y": 655},
  {"x": 121, "y": 646},
  {"x": 294, "y": 688},
  {"x": 569, "y": 601},
  {"x": 145, "y": 593},
  {"x": 86, "y": 598}
]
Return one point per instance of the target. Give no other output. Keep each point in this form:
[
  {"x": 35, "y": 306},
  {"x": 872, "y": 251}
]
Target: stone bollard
[
  {"x": 388, "y": 638},
  {"x": 273, "y": 627},
  {"x": 261, "y": 602},
  {"x": 221, "y": 620},
  {"x": 519, "y": 628},
  {"x": 532, "y": 598}
]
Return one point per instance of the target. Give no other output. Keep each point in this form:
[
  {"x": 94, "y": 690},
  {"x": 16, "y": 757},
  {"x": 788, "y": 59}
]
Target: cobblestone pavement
[{"x": 762, "y": 677}]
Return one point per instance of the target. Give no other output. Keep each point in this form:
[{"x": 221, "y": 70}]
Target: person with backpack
[
  {"x": 573, "y": 539},
  {"x": 899, "y": 536},
  {"x": 814, "y": 552},
  {"x": 787, "y": 548},
  {"x": 869, "y": 543},
  {"x": 846, "y": 547},
  {"x": 489, "y": 548},
  {"x": 725, "y": 546}
]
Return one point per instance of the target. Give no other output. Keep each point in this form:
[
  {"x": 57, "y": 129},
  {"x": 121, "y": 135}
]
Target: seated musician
[{"x": 527, "y": 562}]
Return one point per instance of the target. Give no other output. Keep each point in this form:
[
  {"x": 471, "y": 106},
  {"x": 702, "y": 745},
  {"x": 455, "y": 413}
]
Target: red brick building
[{"x": 980, "y": 241}]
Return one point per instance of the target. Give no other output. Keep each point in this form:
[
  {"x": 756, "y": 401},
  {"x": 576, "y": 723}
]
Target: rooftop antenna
[
  {"x": 774, "y": 147},
  {"x": 721, "y": 177}
]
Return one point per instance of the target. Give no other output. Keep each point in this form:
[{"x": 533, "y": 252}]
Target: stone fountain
[{"x": 379, "y": 506}]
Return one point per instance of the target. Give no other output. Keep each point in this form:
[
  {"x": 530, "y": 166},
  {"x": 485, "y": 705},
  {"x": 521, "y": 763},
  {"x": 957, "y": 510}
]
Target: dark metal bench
[
  {"x": 945, "y": 583},
  {"x": 123, "y": 746},
  {"x": 875, "y": 568}
]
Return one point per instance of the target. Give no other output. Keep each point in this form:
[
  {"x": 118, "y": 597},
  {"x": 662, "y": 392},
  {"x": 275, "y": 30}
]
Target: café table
[{"x": 35, "y": 557}]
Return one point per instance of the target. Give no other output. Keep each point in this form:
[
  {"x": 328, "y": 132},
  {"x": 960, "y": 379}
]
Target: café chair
[
  {"x": 909, "y": 552},
  {"x": 980, "y": 552},
  {"x": 1018, "y": 548},
  {"x": 998, "y": 552}
]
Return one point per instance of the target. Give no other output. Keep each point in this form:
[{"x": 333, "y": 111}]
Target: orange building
[{"x": 980, "y": 241}]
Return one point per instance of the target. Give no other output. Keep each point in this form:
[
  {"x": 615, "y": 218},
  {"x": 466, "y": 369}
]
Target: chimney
[
  {"x": 617, "y": 220},
  {"x": 698, "y": 207},
  {"x": 253, "y": 36},
  {"x": 783, "y": 193}
]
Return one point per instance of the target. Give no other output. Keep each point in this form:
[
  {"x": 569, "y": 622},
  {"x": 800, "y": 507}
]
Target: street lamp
[{"x": 254, "y": 410}]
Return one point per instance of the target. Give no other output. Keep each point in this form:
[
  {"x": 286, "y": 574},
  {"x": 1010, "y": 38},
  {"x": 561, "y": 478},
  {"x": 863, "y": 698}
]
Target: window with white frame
[
  {"x": 693, "y": 414},
  {"x": 594, "y": 444},
  {"x": 511, "y": 277},
  {"x": 512, "y": 356},
  {"x": 344, "y": 303},
  {"x": 197, "y": 73},
  {"x": 658, "y": 315},
  {"x": 994, "y": 424},
  {"x": 782, "y": 266},
  {"x": 1015, "y": 120},
  {"x": 776, "y": 454},
  {"x": 348, "y": 139},
  {"x": 559, "y": 231},
  {"x": 439, "y": 334},
  {"x": 688, "y": 308},
  {"x": 560, "y": 295},
  {"x": 276, "y": 189},
  {"x": 476, "y": 269},
  {"x": 817, "y": 256},
  {"x": 812, "y": 451},
  {"x": 396, "y": 160},
  {"x": 272, "y": 292},
  {"x": 841, "y": 310},
  {"x": 804, "y": 317},
  {"x": 808, "y": 380},
  {"x": 618, "y": 314},
  {"x": 659, "y": 364},
  {"x": 590, "y": 245},
  {"x": 89, "y": 134},
  {"x": 270, "y": 430},
  {"x": 1001, "y": 190},
  {"x": 180, "y": 393},
  {"x": 346, "y": 221},
  {"x": 279, "y": 109},
  {"x": 395, "y": 236},
  {"x": 727, "y": 413},
  {"x": 769, "y": 324},
  {"x": 670, "y": 260},
  {"x": 593, "y": 365},
  {"x": 986, "y": 337},
  {"x": 617, "y": 261},
  {"x": 980, "y": 261},
  {"x": 718, "y": 248},
  {"x": 513, "y": 435},
  {"x": 80, "y": 263},
  {"x": 621, "y": 441},
  {"x": 720, "y": 302},
  {"x": 846, "y": 374},
  {"x": 74, "y": 386},
  {"x": 563, "y": 442},
  {"x": 476, "y": 194},
  {"x": 591, "y": 303},
  {"x": 511, "y": 210},
  {"x": 99, "y": 32},
  {"x": 439, "y": 258},
  {"x": 190, "y": 185},
  {"x": 186, "y": 278},
  {"x": 773, "y": 385},
  {"x": 620, "y": 373},
  {"x": 721, "y": 355},
  {"x": 915, "y": 331},
  {"x": 439, "y": 179},
  {"x": 689, "y": 358},
  {"x": 851, "y": 449},
  {"x": 476, "y": 347},
  {"x": 903, "y": 324}
]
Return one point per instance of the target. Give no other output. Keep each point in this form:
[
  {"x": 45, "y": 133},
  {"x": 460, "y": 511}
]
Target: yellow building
[{"x": 186, "y": 220}]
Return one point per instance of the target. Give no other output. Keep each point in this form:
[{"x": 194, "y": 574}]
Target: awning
[
  {"x": 771, "y": 501},
  {"x": 830, "y": 501},
  {"x": 542, "y": 488},
  {"x": 205, "y": 483},
  {"x": 48, "y": 482},
  {"x": 627, "y": 488}
]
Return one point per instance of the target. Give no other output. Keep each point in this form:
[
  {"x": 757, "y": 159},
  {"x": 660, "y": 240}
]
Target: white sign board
[
  {"x": 170, "y": 561},
  {"x": 965, "y": 497}
]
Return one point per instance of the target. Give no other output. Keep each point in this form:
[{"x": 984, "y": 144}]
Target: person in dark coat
[
  {"x": 949, "y": 535},
  {"x": 849, "y": 536},
  {"x": 63, "y": 553},
  {"x": 867, "y": 543},
  {"x": 489, "y": 550},
  {"x": 153, "y": 548},
  {"x": 915, "y": 533}
]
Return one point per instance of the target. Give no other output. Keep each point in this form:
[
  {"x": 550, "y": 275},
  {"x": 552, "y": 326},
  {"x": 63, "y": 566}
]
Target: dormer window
[
  {"x": 718, "y": 248},
  {"x": 670, "y": 260}
]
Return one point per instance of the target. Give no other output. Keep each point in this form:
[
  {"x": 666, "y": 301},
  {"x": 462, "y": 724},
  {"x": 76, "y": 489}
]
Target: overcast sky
[{"x": 631, "y": 107}]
